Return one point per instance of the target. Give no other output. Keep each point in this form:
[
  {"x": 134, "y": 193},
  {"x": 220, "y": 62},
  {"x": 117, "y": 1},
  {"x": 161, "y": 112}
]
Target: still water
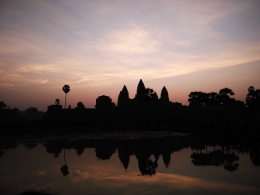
[{"x": 177, "y": 165}]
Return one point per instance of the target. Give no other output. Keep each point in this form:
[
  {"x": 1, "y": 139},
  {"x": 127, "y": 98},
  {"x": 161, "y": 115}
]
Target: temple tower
[
  {"x": 164, "y": 95},
  {"x": 123, "y": 97},
  {"x": 140, "y": 88}
]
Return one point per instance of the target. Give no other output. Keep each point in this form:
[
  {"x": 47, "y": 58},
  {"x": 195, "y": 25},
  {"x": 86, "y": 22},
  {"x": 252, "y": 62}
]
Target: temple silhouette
[
  {"x": 126, "y": 111},
  {"x": 206, "y": 112},
  {"x": 124, "y": 100}
]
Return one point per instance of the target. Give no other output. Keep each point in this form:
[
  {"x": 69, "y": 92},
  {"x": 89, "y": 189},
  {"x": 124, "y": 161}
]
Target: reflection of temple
[
  {"x": 143, "y": 150},
  {"x": 149, "y": 151},
  {"x": 105, "y": 152}
]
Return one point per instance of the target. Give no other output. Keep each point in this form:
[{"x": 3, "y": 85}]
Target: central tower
[{"x": 140, "y": 88}]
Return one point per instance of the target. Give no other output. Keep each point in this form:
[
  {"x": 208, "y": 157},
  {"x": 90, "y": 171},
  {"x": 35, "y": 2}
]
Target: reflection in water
[
  {"x": 216, "y": 158},
  {"x": 255, "y": 156},
  {"x": 30, "y": 145},
  {"x": 35, "y": 193},
  {"x": 95, "y": 166},
  {"x": 64, "y": 169}
]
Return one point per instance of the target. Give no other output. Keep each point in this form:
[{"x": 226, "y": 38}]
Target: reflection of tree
[
  {"x": 1, "y": 153},
  {"x": 230, "y": 159},
  {"x": 231, "y": 166},
  {"x": 80, "y": 150},
  {"x": 30, "y": 145},
  {"x": 147, "y": 166},
  {"x": 64, "y": 169},
  {"x": 105, "y": 152},
  {"x": 200, "y": 159},
  {"x": 255, "y": 156},
  {"x": 53, "y": 148},
  {"x": 216, "y": 158}
]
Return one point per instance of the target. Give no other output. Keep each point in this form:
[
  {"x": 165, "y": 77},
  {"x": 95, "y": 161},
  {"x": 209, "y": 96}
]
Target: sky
[{"x": 97, "y": 47}]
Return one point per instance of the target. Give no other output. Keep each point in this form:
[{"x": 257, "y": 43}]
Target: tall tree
[
  {"x": 2, "y": 105},
  {"x": 32, "y": 113},
  {"x": 224, "y": 97},
  {"x": 146, "y": 96},
  {"x": 211, "y": 99},
  {"x": 66, "y": 89},
  {"x": 253, "y": 98},
  {"x": 196, "y": 98}
]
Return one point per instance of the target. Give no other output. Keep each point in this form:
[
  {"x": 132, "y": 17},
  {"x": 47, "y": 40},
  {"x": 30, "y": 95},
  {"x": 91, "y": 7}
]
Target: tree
[
  {"x": 253, "y": 98},
  {"x": 66, "y": 89},
  {"x": 80, "y": 106},
  {"x": 2, "y": 105},
  {"x": 197, "y": 98},
  {"x": 32, "y": 113},
  {"x": 212, "y": 100},
  {"x": 57, "y": 102},
  {"x": 147, "y": 95},
  {"x": 224, "y": 97}
]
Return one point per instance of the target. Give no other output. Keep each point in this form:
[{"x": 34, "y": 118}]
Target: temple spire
[
  {"x": 123, "y": 96},
  {"x": 164, "y": 95},
  {"x": 140, "y": 88}
]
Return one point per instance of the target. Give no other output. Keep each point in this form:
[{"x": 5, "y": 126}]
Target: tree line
[{"x": 224, "y": 97}]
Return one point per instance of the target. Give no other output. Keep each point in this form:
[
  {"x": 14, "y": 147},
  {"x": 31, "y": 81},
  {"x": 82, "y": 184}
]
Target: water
[{"x": 176, "y": 165}]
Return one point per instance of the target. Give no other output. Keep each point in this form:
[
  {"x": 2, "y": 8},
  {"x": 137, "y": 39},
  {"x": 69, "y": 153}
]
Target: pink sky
[{"x": 96, "y": 47}]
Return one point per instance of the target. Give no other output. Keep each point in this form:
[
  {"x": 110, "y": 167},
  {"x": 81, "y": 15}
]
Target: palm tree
[{"x": 66, "y": 89}]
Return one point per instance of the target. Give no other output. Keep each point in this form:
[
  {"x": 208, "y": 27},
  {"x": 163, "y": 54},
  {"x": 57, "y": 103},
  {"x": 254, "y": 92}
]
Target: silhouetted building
[
  {"x": 105, "y": 152},
  {"x": 52, "y": 108},
  {"x": 164, "y": 96},
  {"x": 140, "y": 89},
  {"x": 123, "y": 97},
  {"x": 104, "y": 102},
  {"x": 145, "y": 106}
]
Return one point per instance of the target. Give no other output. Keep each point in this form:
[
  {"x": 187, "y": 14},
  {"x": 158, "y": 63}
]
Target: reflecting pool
[{"x": 176, "y": 165}]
